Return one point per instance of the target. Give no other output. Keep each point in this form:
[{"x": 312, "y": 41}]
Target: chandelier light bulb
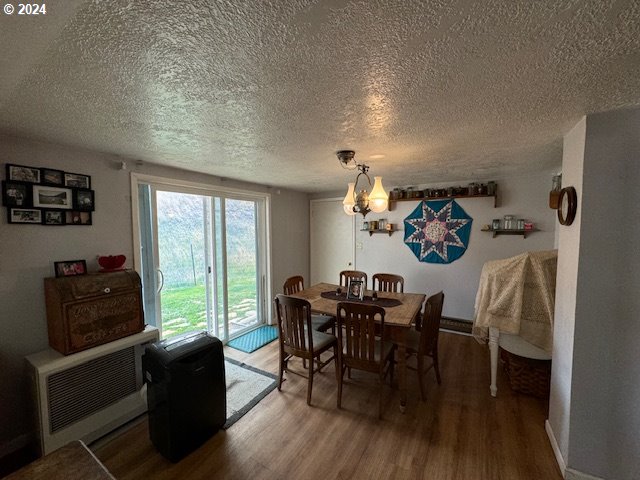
[
  {"x": 378, "y": 198},
  {"x": 349, "y": 200}
]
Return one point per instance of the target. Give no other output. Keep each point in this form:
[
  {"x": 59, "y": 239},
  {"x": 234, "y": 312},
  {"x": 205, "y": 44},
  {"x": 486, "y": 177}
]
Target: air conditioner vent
[{"x": 84, "y": 389}]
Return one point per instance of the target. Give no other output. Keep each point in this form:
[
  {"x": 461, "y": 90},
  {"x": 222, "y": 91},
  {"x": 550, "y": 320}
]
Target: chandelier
[{"x": 362, "y": 202}]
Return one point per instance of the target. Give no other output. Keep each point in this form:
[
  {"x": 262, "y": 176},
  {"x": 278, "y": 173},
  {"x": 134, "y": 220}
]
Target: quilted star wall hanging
[{"x": 438, "y": 231}]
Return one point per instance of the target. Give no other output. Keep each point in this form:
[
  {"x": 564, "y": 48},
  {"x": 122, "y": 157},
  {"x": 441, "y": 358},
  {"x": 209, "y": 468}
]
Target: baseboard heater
[{"x": 88, "y": 394}]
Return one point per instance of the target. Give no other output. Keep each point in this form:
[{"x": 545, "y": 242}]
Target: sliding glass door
[{"x": 207, "y": 269}]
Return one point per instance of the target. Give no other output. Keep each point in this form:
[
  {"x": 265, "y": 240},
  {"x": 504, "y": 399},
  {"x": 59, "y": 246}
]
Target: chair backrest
[
  {"x": 357, "y": 327},
  {"x": 388, "y": 282},
  {"x": 293, "y": 285},
  {"x": 346, "y": 275},
  {"x": 294, "y": 325},
  {"x": 430, "y": 326}
]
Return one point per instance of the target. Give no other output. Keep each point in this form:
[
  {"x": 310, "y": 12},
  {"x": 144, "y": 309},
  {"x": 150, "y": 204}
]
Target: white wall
[
  {"x": 593, "y": 412},
  {"x": 525, "y": 197},
  {"x": 27, "y": 253},
  {"x": 566, "y": 284},
  {"x": 604, "y": 436}
]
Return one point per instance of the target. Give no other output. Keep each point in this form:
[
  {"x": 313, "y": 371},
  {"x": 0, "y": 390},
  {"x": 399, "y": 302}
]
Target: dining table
[{"x": 398, "y": 319}]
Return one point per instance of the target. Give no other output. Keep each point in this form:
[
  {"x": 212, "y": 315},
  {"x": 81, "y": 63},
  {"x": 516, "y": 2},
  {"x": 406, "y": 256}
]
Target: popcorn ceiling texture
[{"x": 267, "y": 91}]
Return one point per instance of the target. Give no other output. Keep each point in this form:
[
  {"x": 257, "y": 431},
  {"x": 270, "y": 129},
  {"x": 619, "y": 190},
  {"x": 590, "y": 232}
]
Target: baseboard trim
[
  {"x": 456, "y": 325},
  {"x": 556, "y": 449},
  {"x": 572, "y": 474}
]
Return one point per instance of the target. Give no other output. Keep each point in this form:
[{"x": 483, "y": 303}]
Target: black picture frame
[
  {"x": 83, "y": 200},
  {"x": 77, "y": 180},
  {"x": 69, "y": 268},
  {"x": 77, "y": 217},
  {"x": 23, "y": 173},
  {"x": 16, "y": 194},
  {"x": 32, "y": 216},
  {"x": 51, "y": 176},
  {"x": 55, "y": 198},
  {"x": 355, "y": 290},
  {"x": 55, "y": 218}
]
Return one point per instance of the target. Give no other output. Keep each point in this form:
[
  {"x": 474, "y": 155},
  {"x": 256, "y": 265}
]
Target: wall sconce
[{"x": 362, "y": 202}]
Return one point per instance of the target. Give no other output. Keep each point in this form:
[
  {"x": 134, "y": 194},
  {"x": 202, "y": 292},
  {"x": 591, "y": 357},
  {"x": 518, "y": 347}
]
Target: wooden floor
[{"x": 460, "y": 432}]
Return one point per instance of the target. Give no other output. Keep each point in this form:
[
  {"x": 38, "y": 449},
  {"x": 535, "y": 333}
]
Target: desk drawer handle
[{"x": 107, "y": 290}]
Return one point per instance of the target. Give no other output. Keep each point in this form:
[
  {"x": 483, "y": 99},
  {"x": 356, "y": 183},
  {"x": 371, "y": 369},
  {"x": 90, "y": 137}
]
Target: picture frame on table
[
  {"x": 16, "y": 194},
  {"x": 54, "y": 217},
  {"x": 77, "y": 180},
  {"x": 24, "y": 215},
  {"x": 84, "y": 200},
  {"x": 50, "y": 176},
  {"x": 52, "y": 197},
  {"x": 22, "y": 173},
  {"x": 355, "y": 290},
  {"x": 70, "y": 268}
]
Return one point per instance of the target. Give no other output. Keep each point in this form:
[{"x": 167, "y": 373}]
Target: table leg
[
  {"x": 402, "y": 376},
  {"x": 494, "y": 335}
]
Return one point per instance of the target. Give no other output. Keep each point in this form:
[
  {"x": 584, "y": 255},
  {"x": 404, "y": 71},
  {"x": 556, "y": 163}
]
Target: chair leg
[
  {"x": 280, "y": 372},
  {"x": 421, "y": 376},
  {"x": 310, "y": 383},
  {"x": 380, "y": 385},
  {"x": 339, "y": 375},
  {"x": 435, "y": 364}
]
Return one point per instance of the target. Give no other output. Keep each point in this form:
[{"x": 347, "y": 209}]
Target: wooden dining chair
[
  {"x": 423, "y": 341},
  {"x": 388, "y": 282},
  {"x": 347, "y": 275},
  {"x": 359, "y": 347},
  {"x": 319, "y": 322},
  {"x": 297, "y": 338}
]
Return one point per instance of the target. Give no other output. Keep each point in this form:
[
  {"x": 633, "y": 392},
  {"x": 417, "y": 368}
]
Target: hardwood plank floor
[{"x": 460, "y": 432}]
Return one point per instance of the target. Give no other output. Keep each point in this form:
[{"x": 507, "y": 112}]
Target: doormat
[
  {"x": 250, "y": 342},
  {"x": 456, "y": 325},
  {"x": 246, "y": 386}
]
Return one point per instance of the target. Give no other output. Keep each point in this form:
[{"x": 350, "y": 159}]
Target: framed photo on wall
[
  {"x": 23, "y": 173},
  {"x": 16, "y": 194},
  {"x": 84, "y": 200},
  {"x": 53, "y": 217},
  {"x": 52, "y": 197},
  {"x": 24, "y": 215},
  {"x": 77, "y": 180},
  {"x": 355, "y": 291},
  {"x": 52, "y": 177},
  {"x": 78, "y": 218}
]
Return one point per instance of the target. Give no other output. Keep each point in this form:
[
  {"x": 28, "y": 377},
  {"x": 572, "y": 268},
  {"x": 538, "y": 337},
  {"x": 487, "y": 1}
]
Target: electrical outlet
[{"x": 359, "y": 245}]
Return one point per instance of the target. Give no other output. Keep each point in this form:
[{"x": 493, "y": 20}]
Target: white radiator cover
[{"x": 86, "y": 395}]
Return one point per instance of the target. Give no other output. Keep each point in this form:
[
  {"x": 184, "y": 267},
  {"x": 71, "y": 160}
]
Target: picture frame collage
[{"x": 46, "y": 196}]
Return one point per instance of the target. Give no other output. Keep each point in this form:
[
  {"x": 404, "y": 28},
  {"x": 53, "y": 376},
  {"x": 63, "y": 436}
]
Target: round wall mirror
[{"x": 567, "y": 205}]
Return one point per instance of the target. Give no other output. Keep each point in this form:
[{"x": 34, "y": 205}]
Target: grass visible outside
[{"x": 184, "y": 308}]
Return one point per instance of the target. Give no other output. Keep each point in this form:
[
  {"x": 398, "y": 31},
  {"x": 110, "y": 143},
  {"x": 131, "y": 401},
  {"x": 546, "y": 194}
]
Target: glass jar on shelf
[{"x": 509, "y": 222}]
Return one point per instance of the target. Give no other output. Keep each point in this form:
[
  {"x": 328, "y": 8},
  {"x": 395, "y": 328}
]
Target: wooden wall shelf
[
  {"x": 371, "y": 232},
  {"x": 416, "y": 199},
  {"x": 502, "y": 231}
]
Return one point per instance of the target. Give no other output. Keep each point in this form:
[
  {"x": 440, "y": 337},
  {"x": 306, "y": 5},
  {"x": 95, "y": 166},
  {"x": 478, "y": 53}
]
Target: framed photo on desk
[{"x": 355, "y": 291}]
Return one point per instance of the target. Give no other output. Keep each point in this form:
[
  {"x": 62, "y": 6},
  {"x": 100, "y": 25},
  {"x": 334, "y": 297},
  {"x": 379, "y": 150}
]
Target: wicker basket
[{"x": 527, "y": 375}]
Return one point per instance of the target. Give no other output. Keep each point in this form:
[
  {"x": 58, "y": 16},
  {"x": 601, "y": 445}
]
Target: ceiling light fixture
[{"x": 362, "y": 202}]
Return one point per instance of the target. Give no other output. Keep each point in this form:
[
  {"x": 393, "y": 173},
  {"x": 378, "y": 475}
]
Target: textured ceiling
[{"x": 267, "y": 91}]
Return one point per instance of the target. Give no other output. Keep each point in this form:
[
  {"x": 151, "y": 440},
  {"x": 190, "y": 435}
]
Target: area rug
[
  {"x": 246, "y": 386},
  {"x": 250, "y": 342}
]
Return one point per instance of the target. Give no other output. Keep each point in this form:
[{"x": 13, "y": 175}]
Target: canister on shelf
[
  {"x": 509, "y": 222},
  {"x": 495, "y": 224},
  {"x": 521, "y": 224}
]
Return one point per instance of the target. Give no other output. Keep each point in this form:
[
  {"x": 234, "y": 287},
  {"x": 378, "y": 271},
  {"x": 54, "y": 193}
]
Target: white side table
[{"x": 513, "y": 344}]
